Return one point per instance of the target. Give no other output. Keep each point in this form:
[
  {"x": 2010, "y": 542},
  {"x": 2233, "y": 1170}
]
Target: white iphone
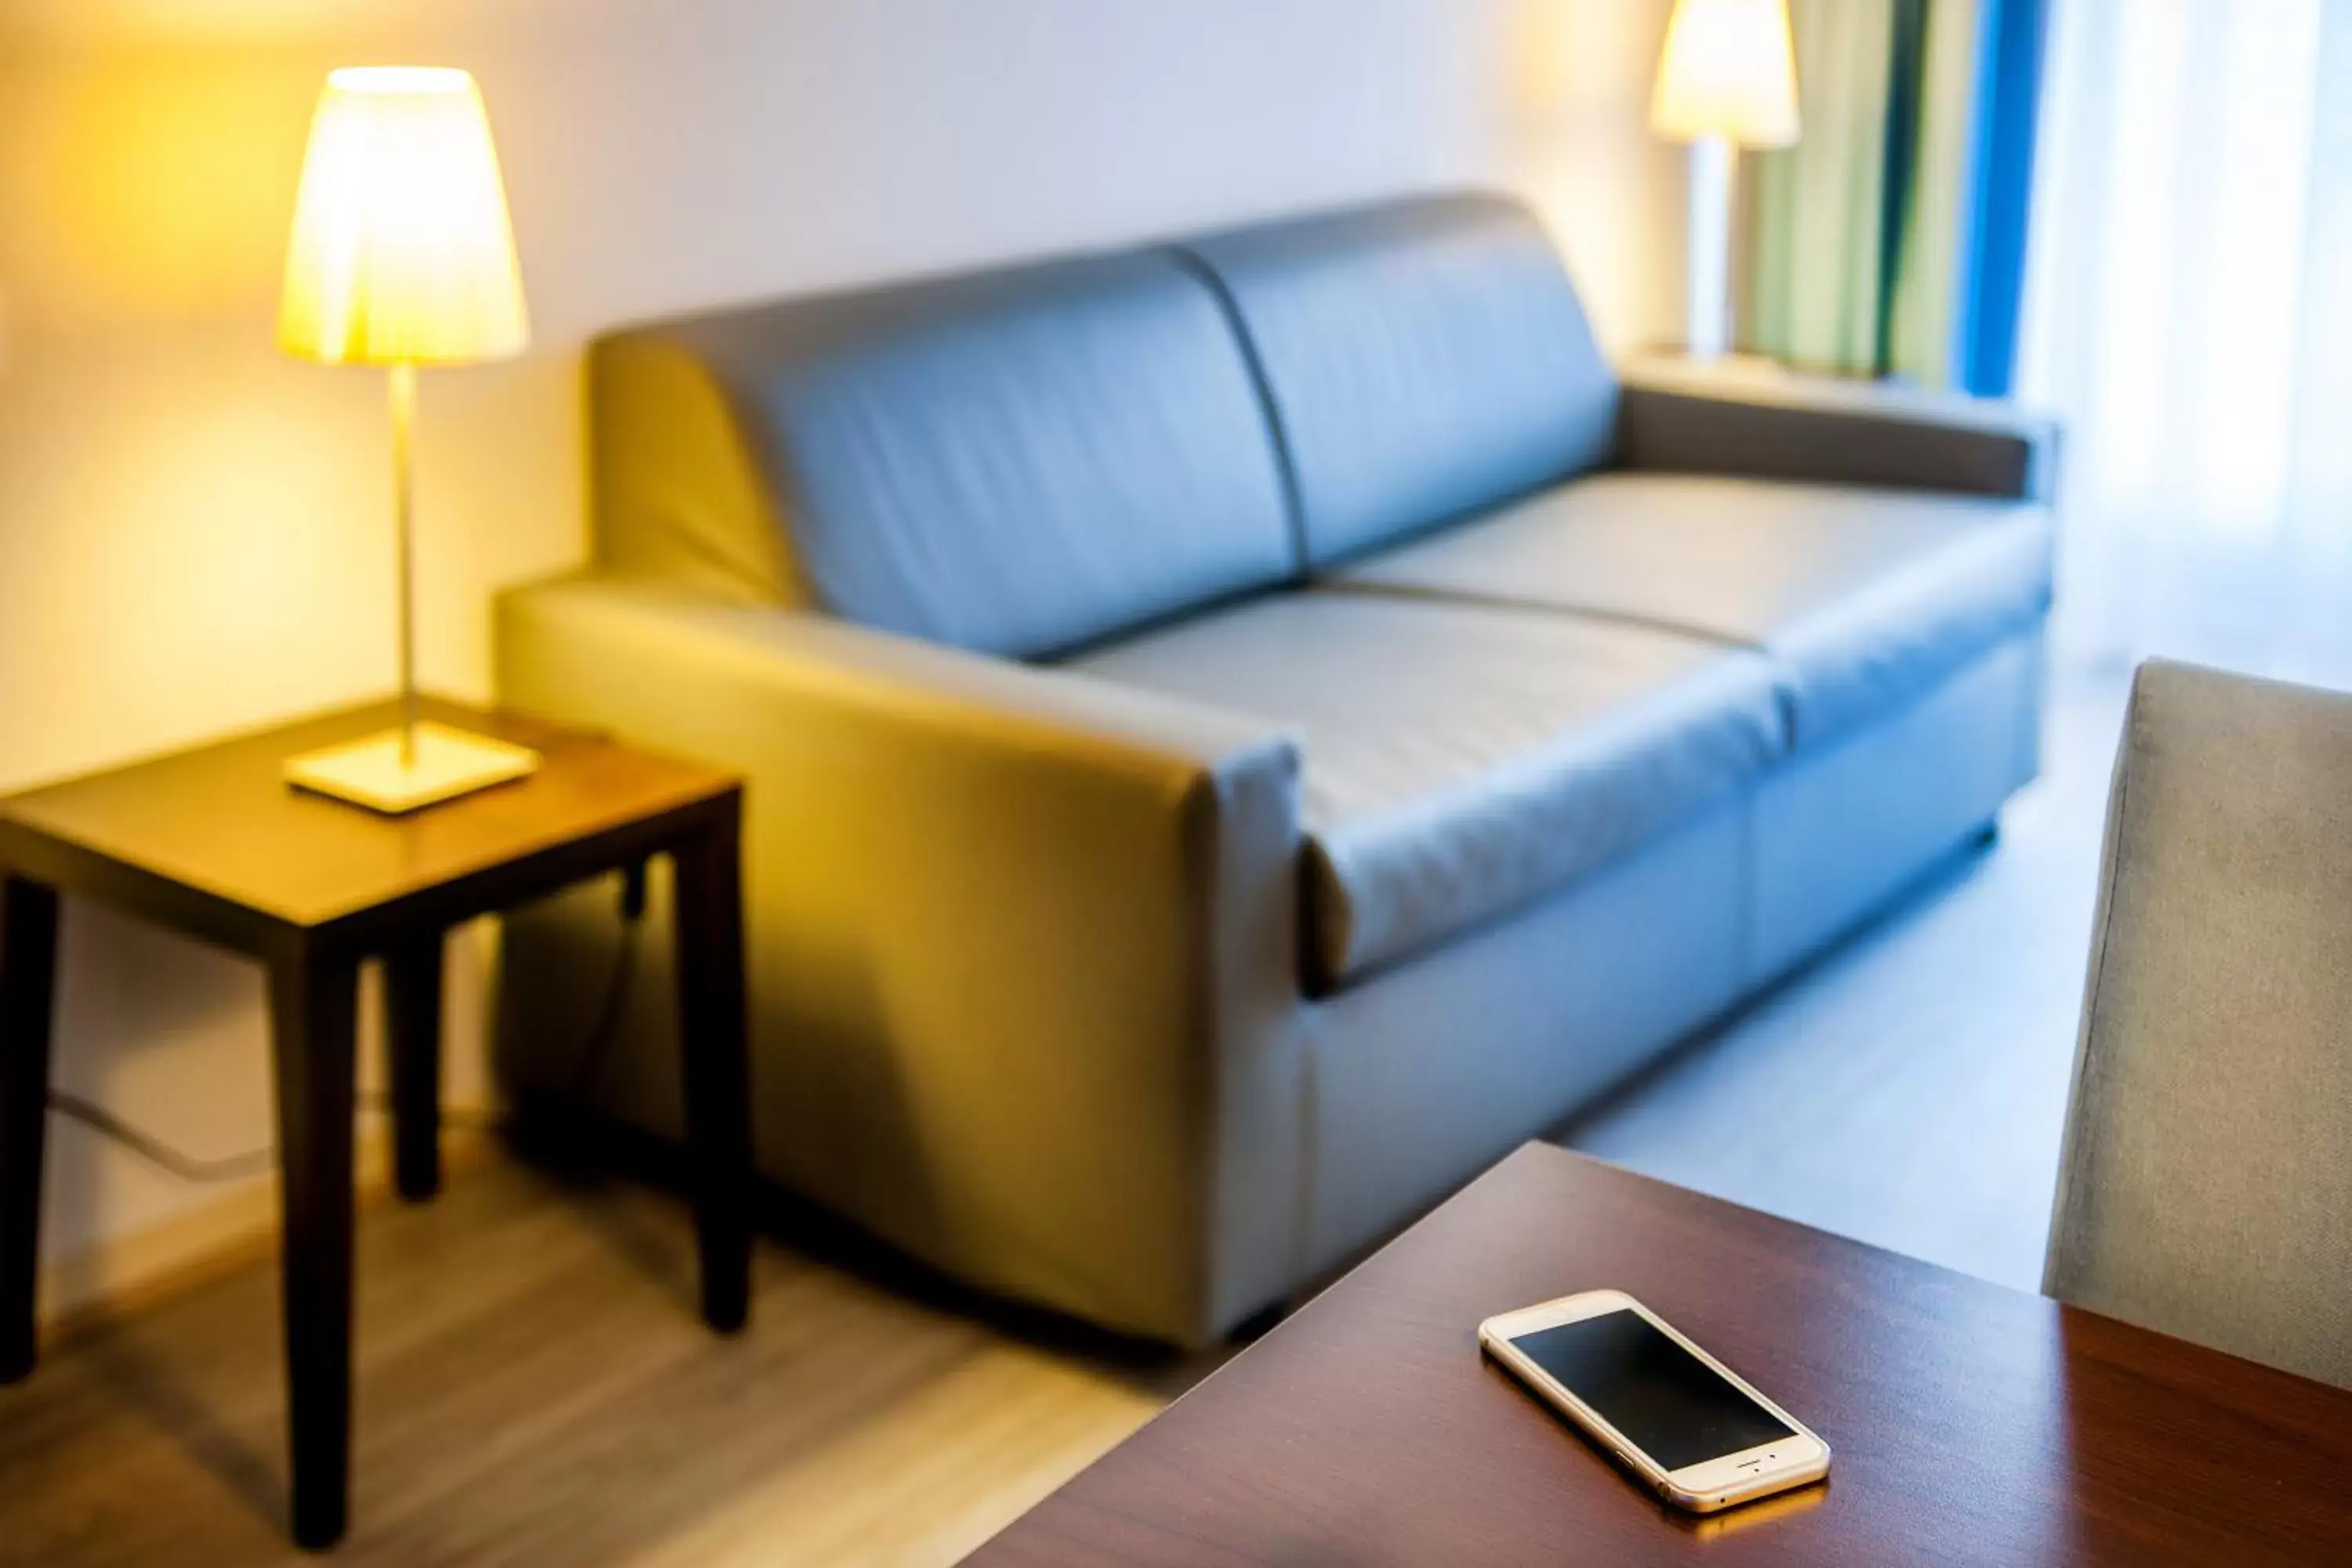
[{"x": 1679, "y": 1419}]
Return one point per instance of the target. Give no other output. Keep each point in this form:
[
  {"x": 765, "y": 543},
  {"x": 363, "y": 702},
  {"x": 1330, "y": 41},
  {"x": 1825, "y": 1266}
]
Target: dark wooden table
[
  {"x": 1970, "y": 1423},
  {"x": 213, "y": 844}
]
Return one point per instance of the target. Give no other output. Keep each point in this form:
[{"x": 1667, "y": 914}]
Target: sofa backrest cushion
[
  {"x": 1424, "y": 359},
  {"x": 1016, "y": 462}
]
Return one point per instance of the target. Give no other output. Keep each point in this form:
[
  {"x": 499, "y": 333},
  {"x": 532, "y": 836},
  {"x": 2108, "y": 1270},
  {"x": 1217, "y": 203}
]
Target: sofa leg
[{"x": 1258, "y": 1324}]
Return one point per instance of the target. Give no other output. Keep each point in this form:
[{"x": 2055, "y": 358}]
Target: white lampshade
[
  {"x": 402, "y": 252},
  {"x": 1729, "y": 70}
]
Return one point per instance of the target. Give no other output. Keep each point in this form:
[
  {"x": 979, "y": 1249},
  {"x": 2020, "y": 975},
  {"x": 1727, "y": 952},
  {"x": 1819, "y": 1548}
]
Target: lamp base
[{"x": 447, "y": 763}]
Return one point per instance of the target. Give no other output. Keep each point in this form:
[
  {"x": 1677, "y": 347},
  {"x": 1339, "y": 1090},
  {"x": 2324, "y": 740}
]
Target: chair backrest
[
  {"x": 1423, "y": 359},
  {"x": 2205, "y": 1186},
  {"x": 1014, "y": 462}
]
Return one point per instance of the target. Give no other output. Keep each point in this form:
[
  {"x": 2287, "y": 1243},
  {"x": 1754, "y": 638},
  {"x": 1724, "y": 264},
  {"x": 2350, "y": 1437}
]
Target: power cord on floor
[
  {"x": 228, "y": 1167},
  {"x": 154, "y": 1150},
  {"x": 257, "y": 1161}
]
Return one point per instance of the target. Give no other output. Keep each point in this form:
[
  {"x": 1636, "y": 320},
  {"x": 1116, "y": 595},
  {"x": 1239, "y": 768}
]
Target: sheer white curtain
[{"x": 2190, "y": 312}]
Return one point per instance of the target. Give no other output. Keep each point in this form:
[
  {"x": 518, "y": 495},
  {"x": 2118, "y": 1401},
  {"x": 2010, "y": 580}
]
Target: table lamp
[
  {"x": 1726, "y": 80},
  {"x": 402, "y": 256}
]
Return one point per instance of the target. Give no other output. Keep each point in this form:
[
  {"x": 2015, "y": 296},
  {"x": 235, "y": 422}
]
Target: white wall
[{"x": 193, "y": 529}]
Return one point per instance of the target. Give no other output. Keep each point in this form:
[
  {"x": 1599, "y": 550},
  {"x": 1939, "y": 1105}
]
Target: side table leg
[
  {"x": 412, "y": 998},
  {"x": 314, "y": 1003},
  {"x": 708, "y": 920},
  {"x": 29, "y": 963}
]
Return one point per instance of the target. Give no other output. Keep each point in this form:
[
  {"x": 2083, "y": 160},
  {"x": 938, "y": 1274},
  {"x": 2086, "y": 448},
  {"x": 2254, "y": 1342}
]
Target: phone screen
[{"x": 1668, "y": 1403}]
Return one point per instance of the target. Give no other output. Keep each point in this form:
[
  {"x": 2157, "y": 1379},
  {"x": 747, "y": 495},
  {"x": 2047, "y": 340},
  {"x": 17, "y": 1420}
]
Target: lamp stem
[
  {"x": 1708, "y": 336},
  {"x": 404, "y": 418}
]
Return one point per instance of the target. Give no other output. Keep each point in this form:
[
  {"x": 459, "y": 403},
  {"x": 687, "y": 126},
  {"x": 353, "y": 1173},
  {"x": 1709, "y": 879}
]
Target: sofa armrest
[
  {"x": 1023, "y": 942},
  {"x": 1767, "y": 423}
]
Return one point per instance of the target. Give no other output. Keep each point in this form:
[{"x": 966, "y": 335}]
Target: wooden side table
[{"x": 213, "y": 843}]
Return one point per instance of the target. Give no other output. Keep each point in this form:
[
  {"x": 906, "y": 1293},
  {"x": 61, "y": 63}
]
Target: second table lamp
[{"x": 1726, "y": 80}]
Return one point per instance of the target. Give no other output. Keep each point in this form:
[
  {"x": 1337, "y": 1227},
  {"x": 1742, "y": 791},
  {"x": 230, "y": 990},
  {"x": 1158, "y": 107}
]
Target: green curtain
[{"x": 1852, "y": 234}]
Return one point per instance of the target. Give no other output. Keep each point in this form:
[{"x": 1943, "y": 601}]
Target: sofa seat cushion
[
  {"x": 1862, "y": 597},
  {"x": 1463, "y": 759}
]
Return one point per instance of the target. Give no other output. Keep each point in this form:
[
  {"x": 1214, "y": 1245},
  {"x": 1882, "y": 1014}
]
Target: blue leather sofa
[{"x": 1241, "y": 732}]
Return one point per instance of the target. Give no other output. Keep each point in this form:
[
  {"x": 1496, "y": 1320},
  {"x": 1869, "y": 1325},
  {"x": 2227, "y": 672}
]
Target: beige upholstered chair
[{"x": 2206, "y": 1187}]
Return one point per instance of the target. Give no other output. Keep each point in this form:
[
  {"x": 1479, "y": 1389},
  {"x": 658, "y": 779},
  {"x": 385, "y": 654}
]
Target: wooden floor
[{"x": 534, "y": 1389}]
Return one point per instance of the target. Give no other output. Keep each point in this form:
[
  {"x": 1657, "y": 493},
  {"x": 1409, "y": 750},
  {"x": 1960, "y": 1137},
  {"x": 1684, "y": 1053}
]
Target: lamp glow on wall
[
  {"x": 1726, "y": 80},
  {"x": 403, "y": 258}
]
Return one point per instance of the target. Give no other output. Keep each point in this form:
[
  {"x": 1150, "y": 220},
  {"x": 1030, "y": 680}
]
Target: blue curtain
[
  {"x": 1890, "y": 240},
  {"x": 2012, "y": 36}
]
